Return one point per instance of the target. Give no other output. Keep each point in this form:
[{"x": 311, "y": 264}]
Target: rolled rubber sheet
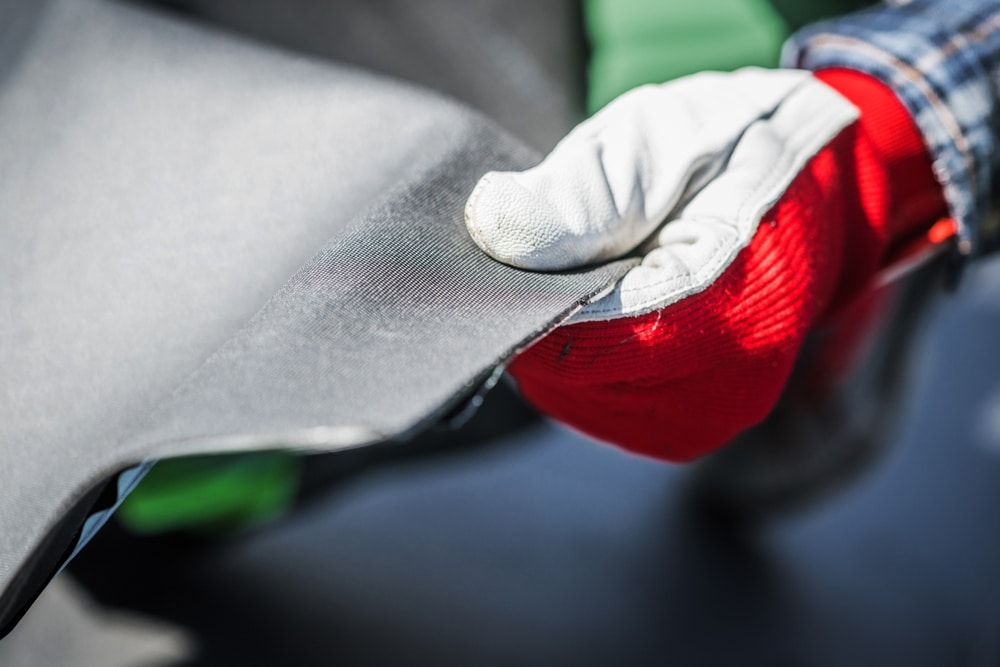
[{"x": 209, "y": 246}]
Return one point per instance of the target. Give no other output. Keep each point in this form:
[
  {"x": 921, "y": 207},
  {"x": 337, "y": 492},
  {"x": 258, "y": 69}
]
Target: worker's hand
[{"x": 758, "y": 200}]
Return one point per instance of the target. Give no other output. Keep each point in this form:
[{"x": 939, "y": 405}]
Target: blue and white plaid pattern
[{"x": 942, "y": 57}]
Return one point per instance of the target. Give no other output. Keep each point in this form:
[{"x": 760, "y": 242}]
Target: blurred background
[{"x": 512, "y": 540}]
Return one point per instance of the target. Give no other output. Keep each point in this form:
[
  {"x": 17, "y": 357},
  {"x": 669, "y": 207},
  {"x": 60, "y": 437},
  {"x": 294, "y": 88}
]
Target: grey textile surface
[{"x": 209, "y": 246}]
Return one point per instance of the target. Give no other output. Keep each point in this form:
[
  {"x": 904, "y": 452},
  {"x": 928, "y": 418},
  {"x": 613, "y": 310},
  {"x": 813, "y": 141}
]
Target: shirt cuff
[{"x": 941, "y": 74}]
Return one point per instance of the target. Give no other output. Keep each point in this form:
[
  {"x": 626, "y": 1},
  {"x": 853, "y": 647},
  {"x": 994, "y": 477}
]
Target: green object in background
[
  {"x": 212, "y": 494},
  {"x": 651, "y": 41}
]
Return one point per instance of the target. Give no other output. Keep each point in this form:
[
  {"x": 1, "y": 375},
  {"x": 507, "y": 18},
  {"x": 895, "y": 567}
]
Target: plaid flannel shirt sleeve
[{"x": 942, "y": 57}]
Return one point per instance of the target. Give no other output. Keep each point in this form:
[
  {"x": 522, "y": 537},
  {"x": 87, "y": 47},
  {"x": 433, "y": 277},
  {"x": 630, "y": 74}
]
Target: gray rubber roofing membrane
[{"x": 207, "y": 245}]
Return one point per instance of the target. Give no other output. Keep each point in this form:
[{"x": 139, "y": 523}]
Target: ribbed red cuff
[{"x": 914, "y": 196}]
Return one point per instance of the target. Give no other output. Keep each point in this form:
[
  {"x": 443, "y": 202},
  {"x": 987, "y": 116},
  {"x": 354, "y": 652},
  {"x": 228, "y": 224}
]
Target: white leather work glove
[{"x": 757, "y": 200}]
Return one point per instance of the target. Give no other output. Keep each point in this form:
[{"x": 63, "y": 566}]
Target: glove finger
[{"x": 611, "y": 182}]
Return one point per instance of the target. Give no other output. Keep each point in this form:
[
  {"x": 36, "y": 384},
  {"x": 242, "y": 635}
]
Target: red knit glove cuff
[{"x": 912, "y": 197}]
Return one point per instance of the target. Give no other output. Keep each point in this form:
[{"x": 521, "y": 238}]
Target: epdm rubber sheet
[{"x": 209, "y": 246}]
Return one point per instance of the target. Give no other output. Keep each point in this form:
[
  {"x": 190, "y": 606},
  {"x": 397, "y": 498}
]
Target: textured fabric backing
[{"x": 208, "y": 246}]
